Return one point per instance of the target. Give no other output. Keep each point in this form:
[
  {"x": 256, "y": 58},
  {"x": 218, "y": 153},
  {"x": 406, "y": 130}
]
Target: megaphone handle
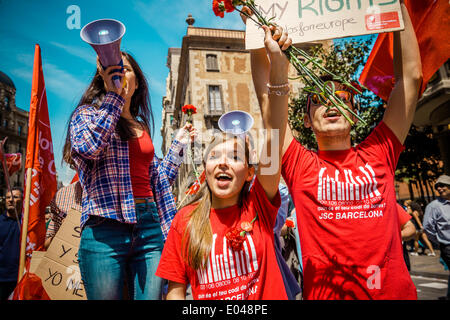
[{"x": 116, "y": 79}]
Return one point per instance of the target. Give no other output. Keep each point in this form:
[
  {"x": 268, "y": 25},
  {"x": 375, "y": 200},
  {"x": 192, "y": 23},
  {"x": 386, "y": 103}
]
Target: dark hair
[
  {"x": 16, "y": 189},
  {"x": 416, "y": 207},
  {"x": 140, "y": 107}
]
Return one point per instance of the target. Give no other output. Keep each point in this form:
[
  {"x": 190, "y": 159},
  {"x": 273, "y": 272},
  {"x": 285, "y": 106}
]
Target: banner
[
  {"x": 40, "y": 166},
  {"x": 197, "y": 184},
  {"x": 13, "y": 162},
  {"x": 313, "y": 20},
  {"x": 431, "y": 21}
]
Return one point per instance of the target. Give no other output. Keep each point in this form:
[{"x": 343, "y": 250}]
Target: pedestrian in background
[
  {"x": 414, "y": 209},
  {"x": 10, "y": 242},
  {"x": 436, "y": 222}
]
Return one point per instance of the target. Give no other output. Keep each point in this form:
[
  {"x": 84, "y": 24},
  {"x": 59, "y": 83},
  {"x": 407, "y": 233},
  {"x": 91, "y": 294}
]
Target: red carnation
[
  {"x": 289, "y": 223},
  {"x": 218, "y": 8},
  {"x": 228, "y": 6},
  {"x": 189, "y": 109},
  {"x": 236, "y": 238}
]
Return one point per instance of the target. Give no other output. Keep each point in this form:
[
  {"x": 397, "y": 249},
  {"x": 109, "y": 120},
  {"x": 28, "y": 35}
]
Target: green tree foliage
[
  {"x": 343, "y": 59},
  {"x": 420, "y": 163}
]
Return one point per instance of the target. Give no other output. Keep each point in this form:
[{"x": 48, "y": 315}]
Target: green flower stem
[
  {"x": 311, "y": 80},
  {"x": 197, "y": 175}
]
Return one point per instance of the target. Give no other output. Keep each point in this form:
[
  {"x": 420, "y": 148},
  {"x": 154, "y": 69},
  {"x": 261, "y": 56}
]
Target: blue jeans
[{"x": 112, "y": 252}]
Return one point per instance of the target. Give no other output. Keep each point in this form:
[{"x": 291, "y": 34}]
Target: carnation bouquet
[{"x": 322, "y": 90}]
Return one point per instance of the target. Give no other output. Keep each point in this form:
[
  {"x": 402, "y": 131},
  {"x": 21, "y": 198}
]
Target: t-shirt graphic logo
[
  {"x": 229, "y": 264},
  {"x": 357, "y": 187}
]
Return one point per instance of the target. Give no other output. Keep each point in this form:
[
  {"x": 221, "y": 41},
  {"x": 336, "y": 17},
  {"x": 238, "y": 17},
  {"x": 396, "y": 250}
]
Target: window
[
  {"x": 215, "y": 99},
  {"x": 211, "y": 62},
  {"x": 7, "y": 104},
  {"x": 20, "y": 129},
  {"x": 171, "y": 120}
]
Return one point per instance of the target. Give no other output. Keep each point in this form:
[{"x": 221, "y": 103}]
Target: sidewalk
[{"x": 428, "y": 266}]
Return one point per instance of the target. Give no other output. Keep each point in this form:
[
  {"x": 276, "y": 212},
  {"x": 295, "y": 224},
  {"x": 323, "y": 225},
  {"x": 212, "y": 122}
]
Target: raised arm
[
  {"x": 172, "y": 161},
  {"x": 402, "y": 102},
  {"x": 90, "y": 127},
  {"x": 270, "y": 68},
  {"x": 260, "y": 73}
]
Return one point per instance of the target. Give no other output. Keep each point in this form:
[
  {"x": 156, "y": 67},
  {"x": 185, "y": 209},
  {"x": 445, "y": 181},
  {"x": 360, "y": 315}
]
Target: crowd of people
[{"x": 332, "y": 231}]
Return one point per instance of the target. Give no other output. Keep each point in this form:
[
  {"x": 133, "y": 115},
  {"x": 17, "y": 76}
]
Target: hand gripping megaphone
[
  {"x": 104, "y": 36},
  {"x": 236, "y": 122}
]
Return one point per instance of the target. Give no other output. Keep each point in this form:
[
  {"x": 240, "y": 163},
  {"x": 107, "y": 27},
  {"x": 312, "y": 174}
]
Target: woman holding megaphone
[{"x": 127, "y": 202}]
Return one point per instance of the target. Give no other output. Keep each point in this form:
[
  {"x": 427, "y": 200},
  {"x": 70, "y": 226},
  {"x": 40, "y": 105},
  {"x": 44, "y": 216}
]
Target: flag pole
[
  {"x": 23, "y": 242},
  {"x": 33, "y": 104}
]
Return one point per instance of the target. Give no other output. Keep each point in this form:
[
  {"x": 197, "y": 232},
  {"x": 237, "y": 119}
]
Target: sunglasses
[
  {"x": 345, "y": 96},
  {"x": 440, "y": 185}
]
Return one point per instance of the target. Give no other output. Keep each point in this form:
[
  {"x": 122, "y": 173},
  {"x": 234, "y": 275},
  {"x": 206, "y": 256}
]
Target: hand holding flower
[{"x": 186, "y": 134}]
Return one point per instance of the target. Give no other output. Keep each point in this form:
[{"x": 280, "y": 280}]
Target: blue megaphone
[
  {"x": 236, "y": 122},
  {"x": 104, "y": 36}
]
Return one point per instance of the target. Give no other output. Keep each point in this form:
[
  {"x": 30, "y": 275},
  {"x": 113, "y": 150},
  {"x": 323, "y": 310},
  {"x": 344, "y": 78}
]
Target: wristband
[{"x": 279, "y": 90}]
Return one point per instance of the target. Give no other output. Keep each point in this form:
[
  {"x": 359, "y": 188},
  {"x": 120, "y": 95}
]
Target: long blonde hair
[{"x": 197, "y": 238}]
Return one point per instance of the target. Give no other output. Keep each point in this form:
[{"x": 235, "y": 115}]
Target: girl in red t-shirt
[{"x": 223, "y": 243}]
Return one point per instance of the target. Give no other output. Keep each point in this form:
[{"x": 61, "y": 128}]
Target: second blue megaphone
[
  {"x": 235, "y": 122},
  {"x": 104, "y": 36}
]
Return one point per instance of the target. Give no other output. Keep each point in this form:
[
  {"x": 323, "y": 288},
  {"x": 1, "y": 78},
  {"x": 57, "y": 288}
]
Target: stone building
[
  {"x": 169, "y": 124},
  {"x": 211, "y": 71},
  {"x": 13, "y": 124},
  {"x": 433, "y": 109}
]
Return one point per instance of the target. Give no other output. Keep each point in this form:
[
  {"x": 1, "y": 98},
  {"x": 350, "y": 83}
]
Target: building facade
[
  {"x": 13, "y": 124},
  {"x": 169, "y": 124},
  {"x": 433, "y": 109},
  {"x": 211, "y": 71}
]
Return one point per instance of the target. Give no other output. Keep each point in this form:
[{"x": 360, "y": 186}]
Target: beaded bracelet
[{"x": 279, "y": 90}]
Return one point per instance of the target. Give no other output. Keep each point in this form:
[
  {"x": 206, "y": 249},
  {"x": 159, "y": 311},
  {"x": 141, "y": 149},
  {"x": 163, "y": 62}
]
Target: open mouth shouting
[
  {"x": 223, "y": 179},
  {"x": 332, "y": 114}
]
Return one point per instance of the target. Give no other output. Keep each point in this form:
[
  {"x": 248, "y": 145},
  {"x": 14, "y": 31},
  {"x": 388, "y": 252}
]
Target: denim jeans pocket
[
  {"x": 94, "y": 221},
  {"x": 147, "y": 212}
]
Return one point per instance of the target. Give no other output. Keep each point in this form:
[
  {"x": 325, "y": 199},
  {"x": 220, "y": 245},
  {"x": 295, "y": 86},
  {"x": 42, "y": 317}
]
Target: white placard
[{"x": 312, "y": 20}]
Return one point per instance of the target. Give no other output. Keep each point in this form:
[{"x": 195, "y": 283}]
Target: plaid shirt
[
  {"x": 66, "y": 198},
  {"x": 104, "y": 169}
]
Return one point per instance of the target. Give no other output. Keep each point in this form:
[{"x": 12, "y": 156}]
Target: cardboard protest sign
[
  {"x": 313, "y": 20},
  {"x": 59, "y": 269},
  {"x": 36, "y": 259}
]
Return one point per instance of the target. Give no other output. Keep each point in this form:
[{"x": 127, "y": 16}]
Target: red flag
[
  {"x": 13, "y": 162},
  {"x": 75, "y": 178},
  {"x": 30, "y": 288},
  {"x": 197, "y": 183},
  {"x": 40, "y": 161},
  {"x": 431, "y": 21}
]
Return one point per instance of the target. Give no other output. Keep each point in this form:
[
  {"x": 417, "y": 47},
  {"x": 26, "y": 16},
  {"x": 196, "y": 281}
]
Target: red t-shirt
[
  {"x": 141, "y": 152},
  {"x": 347, "y": 213},
  {"x": 248, "y": 274}
]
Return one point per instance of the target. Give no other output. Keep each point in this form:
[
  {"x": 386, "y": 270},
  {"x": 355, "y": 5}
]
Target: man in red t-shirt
[{"x": 345, "y": 197}]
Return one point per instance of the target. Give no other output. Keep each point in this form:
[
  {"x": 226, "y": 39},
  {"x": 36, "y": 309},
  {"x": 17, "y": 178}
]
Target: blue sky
[
  {"x": 69, "y": 64},
  {"x": 153, "y": 26}
]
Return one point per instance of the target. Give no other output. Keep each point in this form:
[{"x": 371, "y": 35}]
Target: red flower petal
[
  {"x": 189, "y": 109},
  {"x": 217, "y": 8}
]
